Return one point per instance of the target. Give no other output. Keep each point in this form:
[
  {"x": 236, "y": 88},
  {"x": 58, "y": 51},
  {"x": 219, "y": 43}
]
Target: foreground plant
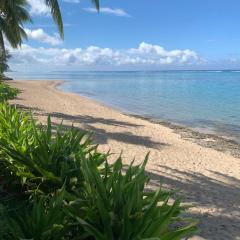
[
  {"x": 40, "y": 219},
  {"x": 100, "y": 201},
  {"x": 39, "y": 157},
  {"x": 7, "y": 92},
  {"x": 117, "y": 206}
]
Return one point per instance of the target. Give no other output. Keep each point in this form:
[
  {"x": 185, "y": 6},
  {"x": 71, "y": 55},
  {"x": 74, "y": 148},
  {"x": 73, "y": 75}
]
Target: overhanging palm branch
[
  {"x": 14, "y": 13},
  {"x": 13, "y": 16},
  {"x": 96, "y": 3},
  {"x": 56, "y": 13}
]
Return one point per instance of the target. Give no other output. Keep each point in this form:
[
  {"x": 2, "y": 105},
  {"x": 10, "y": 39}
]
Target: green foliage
[
  {"x": 7, "y": 92},
  {"x": 13, "y": 15},
  {"x": 39, "y": 157},
  {"x": 15, "y": 131},
  {"x": 41, "y": 219},
  {"x": 117, "y": 206},
  {"x": 61, "y": 187}
]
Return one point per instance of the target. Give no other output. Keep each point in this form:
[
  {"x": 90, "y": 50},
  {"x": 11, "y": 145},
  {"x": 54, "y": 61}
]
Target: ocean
[{"x": 207, "y": 101}]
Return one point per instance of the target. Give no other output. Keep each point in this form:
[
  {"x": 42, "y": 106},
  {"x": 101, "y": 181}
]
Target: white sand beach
[{"x": 207, "y": 178}]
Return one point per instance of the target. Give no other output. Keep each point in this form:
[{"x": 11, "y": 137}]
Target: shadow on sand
[
  {"x": 220, "y": 193},
  {"x": 101, "y": 135},
  {"x": 91, "y": 120}
]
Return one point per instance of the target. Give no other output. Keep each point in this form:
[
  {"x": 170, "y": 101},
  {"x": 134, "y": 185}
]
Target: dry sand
[{"x": 205, "y": 169}]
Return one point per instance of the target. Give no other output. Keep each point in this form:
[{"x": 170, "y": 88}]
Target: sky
[{"x": 132, "y": 35}]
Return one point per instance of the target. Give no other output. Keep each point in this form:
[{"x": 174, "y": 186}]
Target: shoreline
[
  {"x": 183, "y": 160},
  {"x": 209, "y": 140}
]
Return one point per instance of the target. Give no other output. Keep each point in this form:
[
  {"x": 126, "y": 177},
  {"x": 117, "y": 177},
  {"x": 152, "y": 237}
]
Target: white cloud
[
  {"x": 40, "y": 35},
  {"x": 145, "y": 55},
  {"x": 71, "y": 1},
  {"x": 158, "y": 55},
  {"x": 38, "y": 7},
  {"x": 111, "y": 11}
]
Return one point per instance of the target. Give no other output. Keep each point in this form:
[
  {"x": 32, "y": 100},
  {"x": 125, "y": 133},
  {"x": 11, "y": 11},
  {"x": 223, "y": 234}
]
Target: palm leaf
[{"x": 56, "y": 13}]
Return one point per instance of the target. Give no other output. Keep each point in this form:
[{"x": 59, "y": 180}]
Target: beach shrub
[
  {"x": 41, "y": 157},
  {"x": 117, "y": 206},
  {"x": 99, "y": 201},
  {"x": 15, "y": 131},
  {"x": 7, "y": 92},
  {"x": 40, "y": 219}
]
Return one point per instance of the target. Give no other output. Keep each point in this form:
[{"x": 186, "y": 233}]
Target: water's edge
[
  {"x": 204, "y": 101},
  {"x": 208, "y": 140}
]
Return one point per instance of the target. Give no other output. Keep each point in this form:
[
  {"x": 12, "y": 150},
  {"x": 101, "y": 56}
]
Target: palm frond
[
  {"x": 56, "y": 13},
  {"x": 14, "y": 15},
  {"x": 97, "y": 4}
]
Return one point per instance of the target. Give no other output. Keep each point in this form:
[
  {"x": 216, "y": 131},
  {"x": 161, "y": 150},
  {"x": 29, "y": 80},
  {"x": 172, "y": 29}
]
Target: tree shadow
[
  {"x": 101, "y": 136},
  {"x": 27, "y": 109},
  {"x": 91, "y": 120},
  {"x": 219, "y": 193}
]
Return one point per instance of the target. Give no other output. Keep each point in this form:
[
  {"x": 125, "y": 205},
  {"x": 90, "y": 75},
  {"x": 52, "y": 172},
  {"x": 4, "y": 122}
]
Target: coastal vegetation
[
  {"x": 13, "y": 14},
  {"x": 7, "y": 92},
  {"x": 55, "y": 184}
]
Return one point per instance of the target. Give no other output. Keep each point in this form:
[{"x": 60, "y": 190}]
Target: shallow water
[{"x": 206, "y": 100}]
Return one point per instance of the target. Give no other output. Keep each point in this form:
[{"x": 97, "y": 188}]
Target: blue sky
[{"x": 134, "y": 35}]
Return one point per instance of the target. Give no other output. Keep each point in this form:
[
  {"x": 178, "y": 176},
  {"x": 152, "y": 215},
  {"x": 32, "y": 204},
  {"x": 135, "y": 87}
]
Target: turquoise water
[{"x": 206, "y": 100}]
